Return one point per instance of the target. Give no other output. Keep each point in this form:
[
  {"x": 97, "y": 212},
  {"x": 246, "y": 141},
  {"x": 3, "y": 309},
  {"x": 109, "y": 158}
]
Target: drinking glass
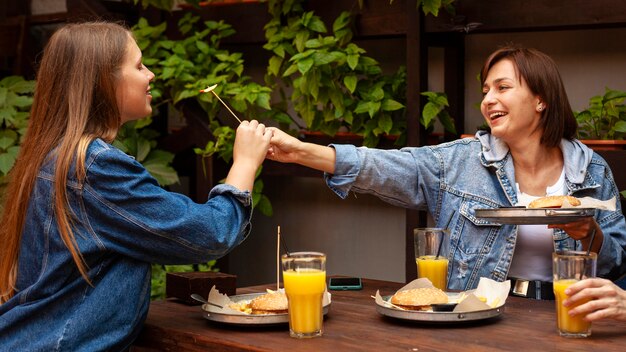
[
  {"x": 569, "y": 267},
  {"x": 304, "y": 277},
  {"x": 431, "y": 255}
]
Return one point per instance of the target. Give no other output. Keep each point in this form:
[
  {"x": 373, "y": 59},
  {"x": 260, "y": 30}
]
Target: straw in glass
[
  {"x": 445, "y": 228},
  {"x": 593, "y": 236}
]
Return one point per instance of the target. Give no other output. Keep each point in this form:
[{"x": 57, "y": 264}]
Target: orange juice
[
  {"x": 304, "y": 289},
  {"x": 569, "y": 326},
  {"x": 433, "y": 268}
]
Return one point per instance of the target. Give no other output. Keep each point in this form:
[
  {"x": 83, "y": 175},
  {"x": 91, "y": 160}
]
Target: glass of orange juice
[
  {"x": 431, "y": 255},
  {"x": 569, "y": 267},
  {"x": 304, "y": 277}
]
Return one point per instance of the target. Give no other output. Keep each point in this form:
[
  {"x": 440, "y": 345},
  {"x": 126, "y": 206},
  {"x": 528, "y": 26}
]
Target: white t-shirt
[{"x": 532, "y": 259}]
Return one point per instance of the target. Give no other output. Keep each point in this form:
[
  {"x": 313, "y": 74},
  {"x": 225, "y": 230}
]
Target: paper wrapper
[
  {"x": 223, "y": 300},
  {"x": 493, "y": 295},
  {"x": 588, "y": 202}
]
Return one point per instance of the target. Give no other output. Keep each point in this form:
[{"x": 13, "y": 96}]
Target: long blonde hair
[{"x": 74, "y": 103}]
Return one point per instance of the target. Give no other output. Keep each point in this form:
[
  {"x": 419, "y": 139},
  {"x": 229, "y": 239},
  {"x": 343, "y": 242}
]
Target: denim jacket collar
[{"x": 576, "y": 159}]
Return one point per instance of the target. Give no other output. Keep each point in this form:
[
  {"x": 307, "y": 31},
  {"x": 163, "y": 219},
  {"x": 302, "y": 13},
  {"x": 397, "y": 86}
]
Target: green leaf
[
  {"x": 300, "y": 40},
  {"x": 353, "y": 61},
  {"x": 447, "y": 121},
  {"x": 374, "y": 107},
  {"x": 620, "y": 126},
  {"x": 7, "y": 160},
  {"x": 385, "y": 123},
  {"x": 612, "y": 95},
  {"x": 7, "y": 113},
  {"x": 165, "y": 175},
  {"x": 265, "y": 206},
  {"x": 350, "y": 82},
  {"x": 317, "y": 25},
  {"x": 430, "y": 111},
  {"x": 7, "y": 138},
  {"x": 342, "y": 21},
  {"x": 378, "y": 93},
  {"x": 391, "y": 105},
  {"x": 362, "y": 107},
  {"x": 291, "y": 70},
  {"x": 157, "y": 156},
  {"x": 203, "y": 47},
  {"x": 274, "y": 65},
  {"x": 431, "y": 6},
  {"x": 143, "y": 148},
  {"x": 263, "y": 100},
  {"x": 305, "y": 65}
]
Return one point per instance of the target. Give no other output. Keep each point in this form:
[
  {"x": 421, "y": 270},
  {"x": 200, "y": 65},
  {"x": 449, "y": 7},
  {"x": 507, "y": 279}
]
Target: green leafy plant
[
  {"x": 430, "y": 6},
  {"x": 140, "y": 142},
  {"x": 435, "y": 110},
  {"x": 604, "y": 118},
  {"x": 185, "y": 66},
  {"x": 16, "y": 98},
  {"x": 334, "y": 84},
  {"x": 223, "y": 146}
]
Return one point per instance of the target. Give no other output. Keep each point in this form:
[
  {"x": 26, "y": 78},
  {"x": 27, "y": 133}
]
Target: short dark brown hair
[{"x": 542, "y": 76}]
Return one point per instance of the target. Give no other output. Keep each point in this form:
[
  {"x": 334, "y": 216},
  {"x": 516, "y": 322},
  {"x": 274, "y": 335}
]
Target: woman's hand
[
  {"x": 283, "y": 148},
  {"x": 287, "y": 149},
  {"x": 607, "y": 300},
  {"x": 581, "y": 230},
  {"x": 251, "y": 143}
]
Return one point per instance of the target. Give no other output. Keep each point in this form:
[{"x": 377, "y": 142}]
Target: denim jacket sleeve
[
  {"x": 405, "y": 177},
  {"x": 612, "y": 255},
  {"x": 129, "y": 213}
]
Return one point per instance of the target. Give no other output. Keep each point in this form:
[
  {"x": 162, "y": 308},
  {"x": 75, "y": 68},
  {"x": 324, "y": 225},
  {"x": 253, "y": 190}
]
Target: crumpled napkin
[
  {"x": 588, "y": 202},
  {"x": 487, "y": 295},
  {"x": 223, "y": 300}
]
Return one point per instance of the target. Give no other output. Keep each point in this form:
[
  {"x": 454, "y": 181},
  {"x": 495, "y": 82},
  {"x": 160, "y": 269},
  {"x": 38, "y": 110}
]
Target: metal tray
[
  {"x": 534, "y": 216},
  {"x": 248, "y": 319},
  {"x": 437, "y": 317}
]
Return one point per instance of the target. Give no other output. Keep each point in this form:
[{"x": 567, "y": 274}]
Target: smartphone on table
[{"x": 345, "y": 283}]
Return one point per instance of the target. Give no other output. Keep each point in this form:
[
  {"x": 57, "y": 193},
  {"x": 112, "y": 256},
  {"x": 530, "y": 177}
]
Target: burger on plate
[
  {"x": 419, "y": 298},
  {"x": 269, "y": 303}
]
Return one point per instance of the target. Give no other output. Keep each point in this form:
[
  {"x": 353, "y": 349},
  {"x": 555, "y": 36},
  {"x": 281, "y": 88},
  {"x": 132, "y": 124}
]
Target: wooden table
[{"x": 353, "y": 324}]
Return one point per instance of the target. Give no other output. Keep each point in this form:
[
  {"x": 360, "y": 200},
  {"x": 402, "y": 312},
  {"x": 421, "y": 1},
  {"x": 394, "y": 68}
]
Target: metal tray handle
[{"x": 565, "y": 212}]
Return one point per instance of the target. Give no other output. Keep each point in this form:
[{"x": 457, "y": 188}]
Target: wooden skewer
[{"x": 211, "y": 89}]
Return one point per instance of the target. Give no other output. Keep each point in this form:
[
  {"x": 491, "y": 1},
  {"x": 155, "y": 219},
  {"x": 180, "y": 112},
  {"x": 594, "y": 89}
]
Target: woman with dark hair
[
  {"x": 529, "y": 152},
  {"x": 83, "y": 221}
]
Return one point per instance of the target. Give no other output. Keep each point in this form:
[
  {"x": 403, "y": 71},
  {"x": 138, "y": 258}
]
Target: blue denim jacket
[
  {"x": 124, "y": 221},
  {"x": 456, "y": 178}
]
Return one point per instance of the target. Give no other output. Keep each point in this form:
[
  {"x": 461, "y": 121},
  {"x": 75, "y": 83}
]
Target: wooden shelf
[{"x": 529, "y": 15}]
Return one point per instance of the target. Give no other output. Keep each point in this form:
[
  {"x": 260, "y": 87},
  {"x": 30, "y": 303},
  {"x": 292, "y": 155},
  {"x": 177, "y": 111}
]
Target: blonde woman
[{"x": 83, "y": 221}]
